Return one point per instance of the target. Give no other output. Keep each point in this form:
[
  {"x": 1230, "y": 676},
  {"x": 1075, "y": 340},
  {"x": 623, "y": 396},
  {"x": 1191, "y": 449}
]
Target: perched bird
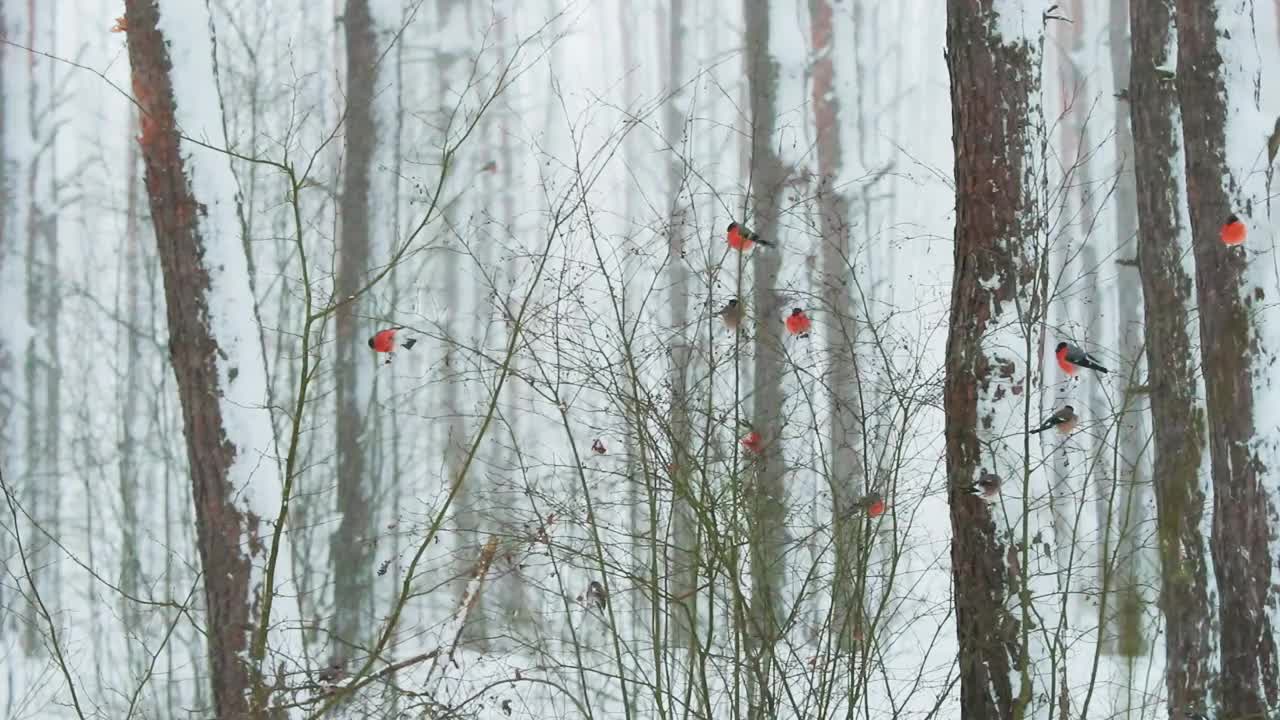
[
  {"x": 987, "y": 486},
  {"x": 1071, "y": 357},
  {"x": 731, "y": 314},
  {"x": 798, "y": 323},
  {"x": 1064, "y": 420},
  {"x": 598, "y": 447},
  {"x": 741, "y": 238},
  {"x": 876, "y": 506},
  {"x": 1233, "y": 231},
  {"x": 753, "y": 442},
  {"x": 597, "y": 595},
  {"x": 384, "y": 341}
]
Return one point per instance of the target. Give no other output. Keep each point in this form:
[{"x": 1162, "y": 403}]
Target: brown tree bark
[
  {"x": 228, "y": 533},
  {"x": 1180, "y": 476},
  {"x": 996, "y": 302},
  {"x": 1230, "y": 352},
  {"x": 846, "y": 473}
]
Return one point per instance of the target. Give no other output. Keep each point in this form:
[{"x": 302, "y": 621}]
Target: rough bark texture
[
  {"x": 1177, "y": 410},
  {"x": 1249, "y": 685},
  {"x": 846, "y": 472},
  {"x": 993, "y": 124},
  {"x": 220, "y": 525},
  {"x": 352, "y": 548},
  {"x": 766, "y": 499}
]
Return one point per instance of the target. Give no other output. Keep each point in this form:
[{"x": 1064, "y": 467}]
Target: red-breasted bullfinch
[
  {"x": 1071, "y": 357},
  {"x": 384, "y": 341},
  {"x": 798, "y": 323},
  {"x": 741, "y": 238}
]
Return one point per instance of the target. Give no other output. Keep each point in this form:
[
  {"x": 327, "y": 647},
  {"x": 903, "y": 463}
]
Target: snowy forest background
[{"x": 220, "y": 503}]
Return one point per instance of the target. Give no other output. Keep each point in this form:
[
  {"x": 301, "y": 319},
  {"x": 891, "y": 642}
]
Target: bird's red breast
[
  {"x": 876, "y": 509},
  {"x": 1233, "y": 232},
  {"x": 1067, "y": 366},
  {"x": 798, "y": 324},
  {"x": 385, "y": 340},
  {"x": 737, "y": 242},
  {"x": 753, "y": 442}
]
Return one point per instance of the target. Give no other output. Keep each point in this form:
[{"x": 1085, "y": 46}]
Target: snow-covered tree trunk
[
  {"x": 368, "y": 227},
  {"x": 1001, "y": 553},
  {"x": 214, "y": 344},
  {"x": 1229, "y": 92},
  {"x": 846, "y": 471},
  {"x": 765, "y": 496},
  {"x": 1181, "y": 460}
]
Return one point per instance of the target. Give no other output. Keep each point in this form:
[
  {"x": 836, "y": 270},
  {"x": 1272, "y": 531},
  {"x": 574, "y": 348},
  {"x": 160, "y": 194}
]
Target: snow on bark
[
  {"x": 1228, "y": 93},
  {"x": 242, "y": 378},
  {"x": 1002, "y": 552},
  {"x": 1166, "y": 262},
  {"x": 214, "y": 344}
]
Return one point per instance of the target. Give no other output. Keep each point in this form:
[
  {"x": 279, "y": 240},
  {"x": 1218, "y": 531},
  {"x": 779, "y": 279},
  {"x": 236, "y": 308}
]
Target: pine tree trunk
[
  {"x": 1221, "y": 65},
  {"x": 847, "y": 476},
  {"x": 214, "y": 341},
  {"x": 765, "y": 496},
  {"x": 367, "y": 229},
  {"x": 993, "y": 359},
  {"x": 1181, "y": 465}
]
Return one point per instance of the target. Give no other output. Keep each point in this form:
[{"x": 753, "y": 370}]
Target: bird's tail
[
  {"x": 1093, "y": 366},
  {"x": 408, "y": 344},
  {"x": 1037, "y": 430},
  {"x": 756, "y": 239}
]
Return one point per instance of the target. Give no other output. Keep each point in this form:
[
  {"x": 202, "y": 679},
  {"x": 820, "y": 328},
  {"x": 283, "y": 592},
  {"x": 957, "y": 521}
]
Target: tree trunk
[
  {"x": 1181, "y": 471},
  {"x": 846, "y": 474},
  {"x": 1129, "y": 512},
  {"x": 213, "y": 336},
  {"x": 766, "y": 496},
  {"x": 994, "y": 51},
  {"x": 1220, "y": 66},
  {"x": 683, "y": 457},
  {"x": 367, "y": 231}
]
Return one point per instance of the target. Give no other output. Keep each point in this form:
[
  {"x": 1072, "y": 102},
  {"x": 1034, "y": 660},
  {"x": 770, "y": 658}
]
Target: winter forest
[{"x": 639, "y": 359}]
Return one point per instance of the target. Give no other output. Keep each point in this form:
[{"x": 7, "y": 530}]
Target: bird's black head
[
  {"x": 1068, "y": 410},
  {"x": 733, "y": 302},
  {"x": 1061, "y": 346},
  {"x": 732, "y": 226},
  {"x": 797, "y": 311},
  {"x": 1232, "y": 219},
  {"x": 370, "y": 343}
]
